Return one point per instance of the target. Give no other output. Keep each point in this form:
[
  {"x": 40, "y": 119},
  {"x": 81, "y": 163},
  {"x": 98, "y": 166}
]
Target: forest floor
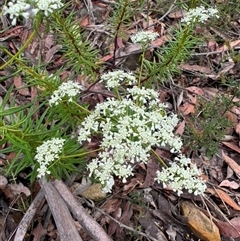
[{"x": 204, "y": 92}]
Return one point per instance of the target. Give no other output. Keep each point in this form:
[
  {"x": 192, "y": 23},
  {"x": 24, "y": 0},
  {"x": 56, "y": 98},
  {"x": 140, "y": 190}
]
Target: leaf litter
[{"x": 140, "y": 209}]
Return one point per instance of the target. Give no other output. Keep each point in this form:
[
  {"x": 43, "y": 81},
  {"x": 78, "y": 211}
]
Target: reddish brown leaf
[
  {"x": 177, "y": 14},
  {"x": 228, "y": 230},
  {"x": 152, "y": 166},
  {"x": 19, "y": 84},
  {"x": 38, "y": 232},
  {"x": 111, "y": 205},
  {"x": 232, "y": 146},
  {"x": 224, "y": 197},
  {"x": 200, "y": 224},
  {"x": 187, "y": 109},
  {"x": 232, "y": 164},
  {"x": 231, "y": 45},
  {"x": 231, "y": 184},
  {"x": 160, "y": 41},
  {"x": 196, "y": 68},
  {"x": 180, "y": 128}
]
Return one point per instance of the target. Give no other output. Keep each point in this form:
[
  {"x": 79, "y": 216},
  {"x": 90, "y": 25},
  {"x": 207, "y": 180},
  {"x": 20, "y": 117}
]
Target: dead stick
[
  {"x": 62, "y": 217},
  {"x": 28, "y": 216},
  {"x": 89, "y": 224}
]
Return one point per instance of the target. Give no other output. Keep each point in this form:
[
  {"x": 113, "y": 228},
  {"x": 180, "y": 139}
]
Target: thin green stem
[
  {"x": 82, "y": 108},
  {"x": 159, "y": 158},
  {"x": 82, "y": 154},
  {"x": 19, "y": 51}
]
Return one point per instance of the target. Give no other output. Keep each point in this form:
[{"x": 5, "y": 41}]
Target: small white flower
[
  {"x": 46, "y": 153},
  {"x": 17, "y": 8},
  {"x": 117, "y": 78},
  {"x": 130, "y": 128},
  {"x": 108, "y": 186},
  {"x": 199, "y": 14},
  {"x": 68, "y": 89},
  {"x": 144, "y": 37},
  {"x": 23, "y": 8},
  {"x": 182, "y": 174},
  {"x": 48, "y": 6}
]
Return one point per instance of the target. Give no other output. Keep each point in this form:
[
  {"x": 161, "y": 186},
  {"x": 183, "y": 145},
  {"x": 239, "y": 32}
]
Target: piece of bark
[
  {"x": 62, "y": 217},
  {"x": 28, "y": 216},
  {"x": 89, "y": 224}
]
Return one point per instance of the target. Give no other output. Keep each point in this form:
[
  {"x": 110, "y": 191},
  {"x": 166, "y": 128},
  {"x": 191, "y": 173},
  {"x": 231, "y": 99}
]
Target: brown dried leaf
[
  {"x": 231, "y": 45},
  {"x": 232, "y": 146},
  {"x": 177, "y": 14},
  {"x": 224, "y": 197},
  {"x": 12, "y": 190},
  {"x": 180, "y": 128},
  {"x": 111, "y": 205},
  {"x": 160, "y": 41},
  {"x": 38, "y": 232},
  {"x": 152, "y": 166},
  {"x": 147, "y": 222},
  {"x": 196, "y": 68},
  {"x": 232, "y": 164},
  {"x": 195, "y": 90},
  {"x": 199, "y": 223},
  {"x": 228, "y": 230},
  {"x": 18, "y": 83},
  {"x": 187, "y": 109},
  {"x": 133, "y": 183},
  {"x": 231, "y": 184},
  {"x": 237, "y": 128}
]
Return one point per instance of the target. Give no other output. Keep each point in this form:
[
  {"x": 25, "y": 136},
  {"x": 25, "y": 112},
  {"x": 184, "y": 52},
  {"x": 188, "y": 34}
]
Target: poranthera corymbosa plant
[
  {"x": 179, "y": 46},
  {"x": 128, "y": 127}
]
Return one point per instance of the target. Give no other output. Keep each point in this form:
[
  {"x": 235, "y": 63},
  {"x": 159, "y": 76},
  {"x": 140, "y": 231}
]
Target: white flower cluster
[
  {"x": 128, "y": 133},
  {"x": 118, "y": 78},
  {"x": 199, "y": 14},
  {"x": 67, "y": 89},
  {"x": 144, "y": 37},
  {"x": 182, "y": 174},
  {"x": 46, "y": 153},
  {"x": 26, "y": 9}
]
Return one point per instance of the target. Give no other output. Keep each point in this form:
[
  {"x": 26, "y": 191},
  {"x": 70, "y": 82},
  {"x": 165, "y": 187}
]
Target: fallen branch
[
  {"x": 62, "y": 217},
  {"x": 89, "y": 224},
  {"x": 28, "y": 216}
]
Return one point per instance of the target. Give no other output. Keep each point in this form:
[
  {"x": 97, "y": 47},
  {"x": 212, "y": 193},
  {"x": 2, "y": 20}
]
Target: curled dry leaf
[
  {"x": 199, "y": 223},
  {"x": 230, "y": 229},
  {"x": 12, "y": 190},
  {"x": 20, "y": 85},
  {"x": 232, "y": 146},
  {"x": 231, "y": 184},
  {"x": 232, "y": 164},
  {"x": 224, "y": 197}
]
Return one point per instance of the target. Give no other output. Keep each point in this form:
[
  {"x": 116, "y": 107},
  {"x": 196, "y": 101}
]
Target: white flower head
[
  {"x": 144, "y": 37},
  {"x": 46, "y": 153},
  {"x": 26, "y": 9},
  {"x": 48, "y": 6},
  {"x": 68, "y": 89},
  {"x": 130, "y": 128},
  {"x": 182, "y": 174},
  {"x": 117, "y": 78},
  {"x": 17, "y": 8},
  {"x": 199, "y": 14}
]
